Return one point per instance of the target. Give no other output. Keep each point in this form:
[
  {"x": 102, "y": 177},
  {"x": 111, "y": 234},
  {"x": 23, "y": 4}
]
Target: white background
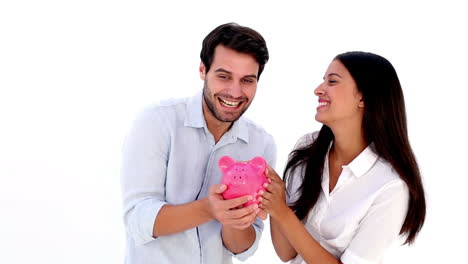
[{"x": 74, "y": 73}]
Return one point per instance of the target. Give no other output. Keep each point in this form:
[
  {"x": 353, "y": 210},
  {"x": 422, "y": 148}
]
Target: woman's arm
[
  {"x": 289, "y": 235},
  {"x": 283, "y": 248},
  {"x": 302, "y": 241}
]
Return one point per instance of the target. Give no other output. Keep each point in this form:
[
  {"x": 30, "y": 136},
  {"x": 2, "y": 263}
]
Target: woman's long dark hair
[{"x": 384, "y": 125}]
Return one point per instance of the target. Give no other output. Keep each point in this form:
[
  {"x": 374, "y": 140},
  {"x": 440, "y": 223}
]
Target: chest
[
  {"x": 192, "y": 164},
  {"x": 335, "y": 219}
]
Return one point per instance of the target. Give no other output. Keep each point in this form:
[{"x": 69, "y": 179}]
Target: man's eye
[
  {"x": 248, "y": 81},
  {"x": 224, "y": 77}
]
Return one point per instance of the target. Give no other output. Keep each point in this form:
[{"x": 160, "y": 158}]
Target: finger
[
  {"x": 242, "y": 227},
  {"x": 264, "y": 205},
  {"x": 235, "y": 202},
  {"x": 267, "y": 196},
  {"x": 268, "y": 186},
  {"x": 240, "y": 223},
  {"x": 273, "y": 187},
  {"x": 245, "y": 221},
  {"x": 271, "y": 174},
  {"x": 240, "y": 213},
  {"x": 262, "y": 214},
  {"x": 217, "y": 188},
  {"x": 250, "y": 223}
]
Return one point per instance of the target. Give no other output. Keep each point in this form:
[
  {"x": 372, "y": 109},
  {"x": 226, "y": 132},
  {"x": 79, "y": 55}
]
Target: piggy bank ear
[
  {"x": 258, "y": 164},
  {"x": 225, "y": 162}
]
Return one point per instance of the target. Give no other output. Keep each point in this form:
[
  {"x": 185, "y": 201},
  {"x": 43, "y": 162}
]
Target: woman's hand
[{"x": 273, "y": 201}]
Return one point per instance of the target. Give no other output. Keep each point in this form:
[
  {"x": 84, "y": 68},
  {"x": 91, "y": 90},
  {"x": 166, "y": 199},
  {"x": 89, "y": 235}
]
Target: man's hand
[{"x": 230, "y": 213}]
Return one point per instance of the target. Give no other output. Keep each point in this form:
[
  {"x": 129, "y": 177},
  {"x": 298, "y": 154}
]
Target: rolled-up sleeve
[
  {"x": 258, "y": 227},
  {"x": 143, "y": 173},
  {"x": 380, "y": 227}
]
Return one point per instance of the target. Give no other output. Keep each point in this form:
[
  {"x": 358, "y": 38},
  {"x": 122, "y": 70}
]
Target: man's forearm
[
  {"x": 238, "y": 241},
  {"x": 173, "y": 219}
]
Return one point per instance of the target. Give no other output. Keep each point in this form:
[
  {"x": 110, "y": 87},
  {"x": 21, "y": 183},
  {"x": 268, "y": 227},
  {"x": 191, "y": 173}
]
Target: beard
[{"x": 217, "y": 113}]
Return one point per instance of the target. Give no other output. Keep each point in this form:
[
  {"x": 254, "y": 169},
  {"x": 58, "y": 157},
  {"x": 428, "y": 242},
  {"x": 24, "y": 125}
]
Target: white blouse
[{"x": 363, "y": 214}]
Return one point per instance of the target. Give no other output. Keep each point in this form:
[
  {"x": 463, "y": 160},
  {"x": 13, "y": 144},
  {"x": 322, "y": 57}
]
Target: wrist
[
  {"x": 284, "y": 214},
  {"x": 205, "y": 208}
]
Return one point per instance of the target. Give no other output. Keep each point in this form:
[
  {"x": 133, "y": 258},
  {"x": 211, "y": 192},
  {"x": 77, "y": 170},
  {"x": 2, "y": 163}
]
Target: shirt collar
[
  {"x": 363, "y": 162},
  {"x": 194, "y": 115},
  {"x": 195, "y": 118},
  {"x": 240, "y": 129}
]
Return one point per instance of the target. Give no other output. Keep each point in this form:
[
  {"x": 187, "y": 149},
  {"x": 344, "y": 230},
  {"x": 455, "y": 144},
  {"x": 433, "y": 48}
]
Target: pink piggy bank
[{"x": 243, "y": 178}]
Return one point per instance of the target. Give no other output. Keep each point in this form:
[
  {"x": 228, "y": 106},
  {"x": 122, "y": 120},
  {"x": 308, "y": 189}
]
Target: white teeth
[
  {"x": 229, "y": 103},
  {"x": 323, "y": 103}
]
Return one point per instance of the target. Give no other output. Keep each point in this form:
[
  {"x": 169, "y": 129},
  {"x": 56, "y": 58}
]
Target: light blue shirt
[{"x": 170, "y": 157}]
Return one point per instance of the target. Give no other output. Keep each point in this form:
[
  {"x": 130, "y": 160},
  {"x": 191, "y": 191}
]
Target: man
[{"x": 173, "y": 208}]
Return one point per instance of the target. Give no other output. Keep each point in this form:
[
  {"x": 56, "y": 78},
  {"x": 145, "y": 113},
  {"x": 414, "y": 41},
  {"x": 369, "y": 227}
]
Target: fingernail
[
  {"x": 260, "y": 192},
  {"x": 265, "y": 184},
  {"x": 250, "y": 197},
  {"x": 255, "y": 206}
]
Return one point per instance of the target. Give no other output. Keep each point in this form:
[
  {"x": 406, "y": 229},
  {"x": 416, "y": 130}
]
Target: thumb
[{"x": 218, "y": 188}]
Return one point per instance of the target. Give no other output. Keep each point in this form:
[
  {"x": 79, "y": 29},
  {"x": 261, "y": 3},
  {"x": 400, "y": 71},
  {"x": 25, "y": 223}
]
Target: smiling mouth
[{"x": 230, "y": 104}]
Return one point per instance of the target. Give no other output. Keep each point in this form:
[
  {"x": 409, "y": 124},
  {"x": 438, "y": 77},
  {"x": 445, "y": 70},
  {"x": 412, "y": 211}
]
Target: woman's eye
[{"x": 331, "y": 81}]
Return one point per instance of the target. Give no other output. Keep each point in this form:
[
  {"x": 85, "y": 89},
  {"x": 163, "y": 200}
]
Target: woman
[{"x": 354, "y": 186}]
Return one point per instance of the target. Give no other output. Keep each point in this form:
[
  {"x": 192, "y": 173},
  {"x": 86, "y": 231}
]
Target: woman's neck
[{"x": 348, "y": 143}]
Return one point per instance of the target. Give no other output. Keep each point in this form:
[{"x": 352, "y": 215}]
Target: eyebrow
[
  {"x": 228, "y": 72},
  {"x": 331, "y": 74},
  {"x": 223, "y": 70}
]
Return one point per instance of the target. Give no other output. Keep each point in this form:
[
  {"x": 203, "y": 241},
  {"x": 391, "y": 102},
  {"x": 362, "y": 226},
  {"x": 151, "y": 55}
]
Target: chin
[
  {"x": 229, "y": 118},
  {"x": 318, "y": 118},
  {"x": 322, "y": 120}
]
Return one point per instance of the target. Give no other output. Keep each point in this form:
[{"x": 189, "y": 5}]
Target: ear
[
  {"x": 225, "y": 162},
  {"x": 258, "y": 164},
  {"x": 361, "y": 102},
  {"x": 202, "y": 70}
]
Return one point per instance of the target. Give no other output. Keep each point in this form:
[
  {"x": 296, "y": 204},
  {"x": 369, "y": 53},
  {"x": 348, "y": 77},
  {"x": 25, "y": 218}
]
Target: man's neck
[{"x": 216, "y": 127}]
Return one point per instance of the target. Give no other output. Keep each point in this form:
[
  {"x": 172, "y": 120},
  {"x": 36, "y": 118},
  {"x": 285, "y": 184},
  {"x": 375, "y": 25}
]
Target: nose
[
  {"x": 319, "y": 91},
  {"x": 235, "y": 89}
]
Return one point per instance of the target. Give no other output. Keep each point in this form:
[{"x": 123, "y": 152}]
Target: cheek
[
  {"x": 249, "y": 92},
  {"x": 216, "y": 86}
]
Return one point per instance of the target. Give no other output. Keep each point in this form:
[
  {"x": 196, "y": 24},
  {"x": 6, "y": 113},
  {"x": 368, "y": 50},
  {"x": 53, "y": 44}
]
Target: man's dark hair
[{"x": 236, "y": 37}]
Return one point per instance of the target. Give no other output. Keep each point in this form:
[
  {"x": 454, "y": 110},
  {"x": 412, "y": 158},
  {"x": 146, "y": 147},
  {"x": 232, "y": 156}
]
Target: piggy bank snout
[{"x": 238, "y": 178}]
